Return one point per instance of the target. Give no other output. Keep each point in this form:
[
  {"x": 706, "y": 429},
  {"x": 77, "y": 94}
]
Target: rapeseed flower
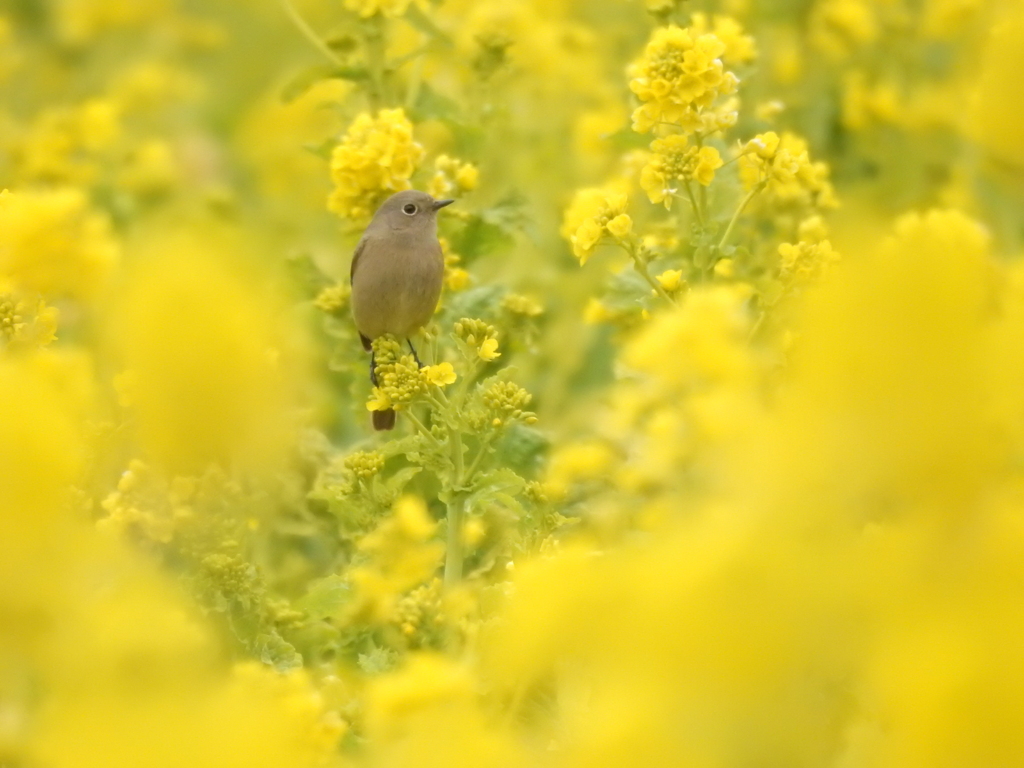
[
  {"x": 55, "y": 243},
  {"x": 590, "y": 217},
  {"x": 376, "y": 157},
  {"x": 674, "y": 161},
  {"x": 678, "y": 79}
]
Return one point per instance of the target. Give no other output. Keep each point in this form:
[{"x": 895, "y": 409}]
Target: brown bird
[{"x": 397, "y": 271}]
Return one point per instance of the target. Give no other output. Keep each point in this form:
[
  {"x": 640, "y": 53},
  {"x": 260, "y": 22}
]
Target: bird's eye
[{"x": 409, "y": 208}]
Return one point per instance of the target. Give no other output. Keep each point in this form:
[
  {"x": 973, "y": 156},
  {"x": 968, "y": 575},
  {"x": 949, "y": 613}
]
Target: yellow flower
[
  {"x": 725, "y": 268},
  {"x": 333, "y": 299},
  {"x": 840, "y": 27},
  {"x": 480, "y": 337},
  {"x": 439, "y": 375},
  {"x": 671, "y": 280},
  {"x": 806, "y": 260},
  {"x": 412, "y": 519},
  {"x": 215, "y": 363},
  {"x": 620, "y": 226},
  {"x": 996, "y": 118},
  {"x": 456, "y": 279},
  {"x": 518, "y": 304},
  {"x": 507, "y": 401},
  {"x": 812, "y": 229},
  {"x": 489, "y": 350},
  {"x": 782, "y": 165},
  {"x": 52, "y": 242},
  {"x": 25, "y": 323},
  {"x": 427, "y": 684},
  {"x": 398, "y": 375},
  {"x": 378, "y": 401},
  {"x": 588, "y": 217},
  {"x": 740, "y": 48},
  {"x": 672, "y": 160},
  {"x": 467, "y": 177},
  {"x": 376, "y": 157},
  {"x": 767, "y": 111},
  {"x": 678, "y": 79},
  {"x": 575, "y": 462},
  {"x": 452, "y": 177},
  {"x": 364, "y": 464}
]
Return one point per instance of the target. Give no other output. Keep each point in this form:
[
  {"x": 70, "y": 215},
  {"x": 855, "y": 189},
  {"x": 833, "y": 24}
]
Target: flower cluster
[
  {"x": 518, "y": 304},
  {"x": 452, "y": 178},
  {"x": 478, "y": 336},
  {"x": 364, "y": 464},
  {"x": 376, "y": 157},
  {"x": 782, "y": 166},
  {"x": 419, "y": 613},
  {"x": 334, "y": 299},
  {"x": 400, "y": 380},
  {"x": 508, "y": 401},
  {"x": 594, "y": 213},
  {"x": 740, "y": 48},
  {"x": 678, "y": 79},
  {"x": 805, "y": 261},
  {"x": 26, "y": 323},
  {"x": 403, "y": 555},
  {"x": 674, "y": 161},
  {"x": 53, "y": 242},
  {"x": 456, "y": 278}
]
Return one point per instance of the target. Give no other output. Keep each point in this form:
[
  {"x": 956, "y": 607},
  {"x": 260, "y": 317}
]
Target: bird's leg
[
  {"x": 373, "y": 369},
  {"x": 414, "y": 355}
]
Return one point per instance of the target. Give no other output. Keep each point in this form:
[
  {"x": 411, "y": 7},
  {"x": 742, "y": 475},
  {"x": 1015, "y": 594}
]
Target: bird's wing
[{"x": 360, "y": 247}]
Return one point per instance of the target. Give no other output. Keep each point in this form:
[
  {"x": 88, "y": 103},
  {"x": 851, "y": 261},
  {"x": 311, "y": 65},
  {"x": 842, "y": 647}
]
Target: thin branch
[{"x": 308, "y": 33}]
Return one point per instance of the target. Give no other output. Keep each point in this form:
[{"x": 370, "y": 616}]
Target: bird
[{"x": 397, "y": 273}]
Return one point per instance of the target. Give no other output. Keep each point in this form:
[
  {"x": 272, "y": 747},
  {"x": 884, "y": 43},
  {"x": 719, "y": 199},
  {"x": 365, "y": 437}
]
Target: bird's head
[{"x": 410, "y": 209}]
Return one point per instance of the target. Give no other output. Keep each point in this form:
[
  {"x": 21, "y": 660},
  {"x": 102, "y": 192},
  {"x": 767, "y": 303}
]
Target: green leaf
[
  {"x": 522, "y": 447},
  {"x": 326, "y": 597},
  {"x": 386, "y": 491},
  {"x": 498, "y": 485}
]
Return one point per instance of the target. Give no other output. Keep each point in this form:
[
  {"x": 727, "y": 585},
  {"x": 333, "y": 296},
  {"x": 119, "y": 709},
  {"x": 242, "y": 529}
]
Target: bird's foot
[
  {"x": 414, "y": 355},
  {"x": 373, "y": 369}
]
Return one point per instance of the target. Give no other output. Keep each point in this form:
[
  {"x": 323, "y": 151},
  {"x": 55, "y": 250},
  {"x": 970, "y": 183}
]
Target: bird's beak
[{"x": 439, "y": 204}]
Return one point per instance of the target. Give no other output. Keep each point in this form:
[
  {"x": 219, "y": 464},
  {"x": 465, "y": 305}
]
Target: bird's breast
[{"x": 396, "y": 287}]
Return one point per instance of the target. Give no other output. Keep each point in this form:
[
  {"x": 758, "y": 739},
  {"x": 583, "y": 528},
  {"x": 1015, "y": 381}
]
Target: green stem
[
  {"x": 735, "y": 217},
  {"x": 476, "y": 460},
  {"x": 376, "y": 52},
  {"x": 308, "y": 32},
  {"x": 423, "y": 429},
  {"x": 456, "y": 509},
  {"x": 641, "y": 267},
  {"x": 693, "y": 204},
  {"x": 415, "y": 79}
]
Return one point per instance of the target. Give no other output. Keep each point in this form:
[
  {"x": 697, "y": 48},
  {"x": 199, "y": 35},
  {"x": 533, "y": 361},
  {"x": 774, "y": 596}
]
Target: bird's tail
[{"x": 383, "y": 420}]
